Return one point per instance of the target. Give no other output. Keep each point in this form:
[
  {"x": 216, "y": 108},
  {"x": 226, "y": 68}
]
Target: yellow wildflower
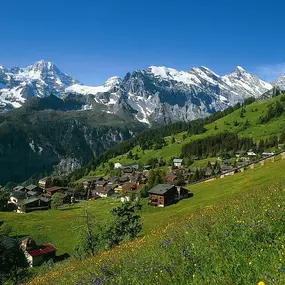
[{"x": 260, "y": 283}]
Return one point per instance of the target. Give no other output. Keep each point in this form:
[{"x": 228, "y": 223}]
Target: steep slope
[
  {"x": 148, "y": 145},
  {"x": 37, "y": 139},
  {"x": 195, "y": 231},
  {"x": 157, "y": 95}
]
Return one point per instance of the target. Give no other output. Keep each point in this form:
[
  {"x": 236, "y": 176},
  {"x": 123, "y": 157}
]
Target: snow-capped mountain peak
[
  {"x": 158, "y": 94},
  {"x": 112, "y": 81},
  {"x": 167, "y": 73},
  {"x": 280, "y": 82}
]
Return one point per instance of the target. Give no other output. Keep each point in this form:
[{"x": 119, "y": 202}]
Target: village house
[
  {"x": 35, "y": 188},
  {"x": 33, "y": 204},
  {"x": 21, "y": 202},
  {"x": 170, "y": 178},
  {"x": 16, "y": 196},
  {"x": 163, "y": 195},
  {"x": 129, "y": 187},
  {"x": 267, "y": 154},
  {"x": 37, "y": 255},
  {"x": 177, "y": 162},
  {"x": 50, "y": 191},
  {"x": 118, "y": 188},
  {"x": 101, "y": 182},
  {"x": 20, "y": 188},
  {"x": 113, "y": 180},
  {"x": 45, "y": 182},
  {"x": 251, "y": 154},
  {"x": 104, "y": 192}
]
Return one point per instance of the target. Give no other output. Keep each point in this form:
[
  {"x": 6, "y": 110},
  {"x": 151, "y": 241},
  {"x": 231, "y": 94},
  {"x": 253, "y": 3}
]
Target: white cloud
[{"x": 270, "y": 72}]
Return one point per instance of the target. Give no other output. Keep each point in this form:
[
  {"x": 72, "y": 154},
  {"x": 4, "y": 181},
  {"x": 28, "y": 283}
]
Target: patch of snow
[{"x": 173, "y": 74}]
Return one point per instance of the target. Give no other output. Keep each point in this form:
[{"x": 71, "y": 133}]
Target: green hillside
[
  {"x": 242, "y": 216},
  {"x": 66, "y": 223},
  {"x": 248, "y": 124}
]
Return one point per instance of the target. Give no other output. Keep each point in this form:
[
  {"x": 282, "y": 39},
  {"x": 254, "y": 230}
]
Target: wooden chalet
[
  {"x": 50, "y": 191},
  {"x": 162, "y": 195},
  {"x": 45, "y": 182},
  {"x": 104, "y": 192}
]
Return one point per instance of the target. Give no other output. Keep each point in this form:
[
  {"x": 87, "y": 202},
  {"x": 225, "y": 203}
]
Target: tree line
[{"x": 153, "y": 138}]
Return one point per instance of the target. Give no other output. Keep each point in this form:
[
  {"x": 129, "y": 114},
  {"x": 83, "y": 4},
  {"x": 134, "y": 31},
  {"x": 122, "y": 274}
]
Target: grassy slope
[
  {"x": 61, "y": 227},
  {"x": 255, "y": 130},
  {"x": 252, "y": 250}
]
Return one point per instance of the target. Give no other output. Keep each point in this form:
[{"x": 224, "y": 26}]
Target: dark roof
[
  {"x": 112, "y": 180},
  {"x": 18, "y": 194},
  {"x": 160, "y": 189},
  {"x": 32, "y": 193},
  {"x": 101, "y": 182},
  {"x": 28, "y": 201},
  {"x": 100, "y": 189},
  {"x": 54, "y": 189},
  {"x": 31, "y": 187}
]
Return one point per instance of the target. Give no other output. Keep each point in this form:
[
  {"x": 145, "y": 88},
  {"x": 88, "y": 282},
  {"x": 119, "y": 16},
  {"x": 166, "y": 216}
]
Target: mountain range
[{"x": 156, "y": 95}]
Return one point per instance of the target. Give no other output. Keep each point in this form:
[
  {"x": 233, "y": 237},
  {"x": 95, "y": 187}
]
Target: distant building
[
  {"x": 251, "y": 154},
  {"x": 266, "y": 154},
  {"x": 20, "y": 188},
  {"x": 45, "y": 182},
  {"x": 34, "y": 188},
  {"x": 177, "y": 162},
  {"x": 104, "y": 192},
  {"x": 50, "y": 191}
]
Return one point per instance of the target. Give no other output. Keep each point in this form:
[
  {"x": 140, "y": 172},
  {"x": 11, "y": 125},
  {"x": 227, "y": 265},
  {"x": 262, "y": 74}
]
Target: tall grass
[{"x": 240, "y": 241}]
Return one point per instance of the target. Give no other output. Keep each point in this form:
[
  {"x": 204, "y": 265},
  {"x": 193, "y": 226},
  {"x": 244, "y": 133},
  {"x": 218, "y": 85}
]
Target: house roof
[
  {"x": 54, "y": 189},
  {"x": 177, "y": 160},
  {"x": 48, "y": 248},
  {"x": 160, "y": 189},
  {"x": 18, "y": 194},
  {"x": 101, "y": 190},
  {"x": 28, "y": 201},
  {"x": 19, "y": 188},
  {"x": 101, "y": 182},
  {"x": 112, "y": 180},
  {"x": 32, "y": 193},
  {"x": 31, "y": 187}
]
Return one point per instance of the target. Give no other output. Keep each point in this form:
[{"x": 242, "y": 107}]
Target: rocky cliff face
[{"x": 155, "y": 95}]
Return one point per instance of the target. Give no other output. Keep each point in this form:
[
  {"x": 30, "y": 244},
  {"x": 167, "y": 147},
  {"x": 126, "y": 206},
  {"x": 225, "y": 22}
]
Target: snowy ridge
[{"x": 157, "y": 94}]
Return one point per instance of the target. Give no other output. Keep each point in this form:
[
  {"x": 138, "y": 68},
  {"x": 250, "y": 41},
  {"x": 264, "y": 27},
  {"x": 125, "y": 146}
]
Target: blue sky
[{"x": 94, "y": 40}]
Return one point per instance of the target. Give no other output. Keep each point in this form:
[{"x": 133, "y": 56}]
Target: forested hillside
[
  {"x": 40, "y": 138},
  {"x": 257, "y": 125}
]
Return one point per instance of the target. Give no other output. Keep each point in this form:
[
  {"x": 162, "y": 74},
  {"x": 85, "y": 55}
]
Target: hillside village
[{"x": 131, "y": 182}]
